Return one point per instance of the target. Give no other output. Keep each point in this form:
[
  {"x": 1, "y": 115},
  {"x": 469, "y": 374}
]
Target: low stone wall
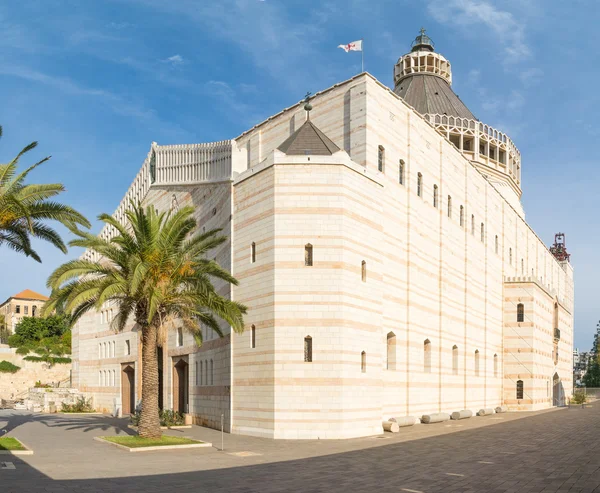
[
  {"x": 13, "y": 385},
  {"x": 50, "y": 400}
]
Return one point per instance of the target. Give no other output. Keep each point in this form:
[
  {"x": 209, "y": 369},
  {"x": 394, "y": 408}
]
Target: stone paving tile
[{"x": 556, "y": 451}]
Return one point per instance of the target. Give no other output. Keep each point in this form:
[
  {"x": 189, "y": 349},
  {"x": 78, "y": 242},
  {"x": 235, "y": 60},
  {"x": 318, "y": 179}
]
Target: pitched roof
[
  {"x": 308, "y": 140},
  {"x": 428, "y": 93},
  {"x": 28, "y": 294}
]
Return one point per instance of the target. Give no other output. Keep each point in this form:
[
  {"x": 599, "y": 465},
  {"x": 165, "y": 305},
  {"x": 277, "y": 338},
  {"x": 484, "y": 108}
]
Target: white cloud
[
  {"x": 480, "y": 15},
  {"x": 531, "y": 77},
  {"x": 175, "y": 60}
]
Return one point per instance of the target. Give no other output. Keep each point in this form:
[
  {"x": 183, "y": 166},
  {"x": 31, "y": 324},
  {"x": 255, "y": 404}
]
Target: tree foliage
[
  {"x": 25, "y": 209},
  {"x": 155, "y": 271},
  {"x": 45, "y": 340},
  {"x": 8, "y": 367}
]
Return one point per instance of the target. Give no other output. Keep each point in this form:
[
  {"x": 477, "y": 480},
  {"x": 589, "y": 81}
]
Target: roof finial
[
  {"x": 422, "y": 31},
  {"x": 307, "y": 105}
]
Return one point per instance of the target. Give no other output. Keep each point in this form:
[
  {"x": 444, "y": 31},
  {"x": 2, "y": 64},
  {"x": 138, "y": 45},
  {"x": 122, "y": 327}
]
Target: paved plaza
[{"x": 551, "y": 451}]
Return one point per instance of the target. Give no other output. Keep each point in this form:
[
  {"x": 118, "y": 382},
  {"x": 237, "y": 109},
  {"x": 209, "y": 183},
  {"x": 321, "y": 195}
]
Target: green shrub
[
  {"x": 579, "y": 397},
  {"x": 8, "y": 367},
  {"x": 40, "y": 385},
  {"x": 167, "y": 417},
  {"x": 82, "y": 405}
]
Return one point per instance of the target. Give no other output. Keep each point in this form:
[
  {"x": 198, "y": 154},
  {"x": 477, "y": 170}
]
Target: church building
[{"x": 382, "y": 250}]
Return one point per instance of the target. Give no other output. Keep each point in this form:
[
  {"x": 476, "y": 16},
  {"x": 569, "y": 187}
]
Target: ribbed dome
[{"x": 428, "y": 93}]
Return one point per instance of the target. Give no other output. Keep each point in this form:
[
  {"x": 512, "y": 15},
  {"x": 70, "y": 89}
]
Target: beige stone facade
[
  {"x": 409, "y": 303},
  {"x": 27, "y": 303}
]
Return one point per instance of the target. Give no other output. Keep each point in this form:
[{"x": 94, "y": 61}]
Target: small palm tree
[
  {"x": 24, "y": 208},
  {"x": 156, "y": 271}
]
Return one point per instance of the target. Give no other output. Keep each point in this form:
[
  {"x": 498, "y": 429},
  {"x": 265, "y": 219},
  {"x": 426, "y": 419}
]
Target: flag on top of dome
[{"x": 354, "y": 46}]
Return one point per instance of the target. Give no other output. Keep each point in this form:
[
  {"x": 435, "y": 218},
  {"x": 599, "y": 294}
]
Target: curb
[{"x": 158, "y": 447}]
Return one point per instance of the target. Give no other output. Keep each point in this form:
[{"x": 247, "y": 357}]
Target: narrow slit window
[
  {"x": 201, "y": 371},
  {"x": 401, "y": 172},
  {"x": 435, "y": 196},
  {"x": 473, "y": 224},
  {"x": 520, "y": 312},
  {"x": 510, "y": 256},
  {"x": 253, "y": 253},
  {"x": 381, "y": 158},
  {"x": 212, "y": 373},
  {"x": 363, "y": 362},
  {"x": 391, "y": 351},
  {"x": 427, "y": 356},
  {"x": 519, "y": 389},
  {"x": 179, "y": 336},
  {"x": 308, "y": 255},
  {"x": 253, "y": 337},
  {"x": 482, "y": 233},
  {"x": 496, "y": 244},
  {"x": 420, "y": 185},
  {"x": 455, "y": 360},
  {"x": 522, "y": 267},
  {"x": 495, "y": 366},
  {"x": 363, "y": 271},
  {"x": 449, "y": 207},
  {"x": 477, "y": 362},
  {"x": 462, "y": 216},
  {"x": 308, "y": 349}
]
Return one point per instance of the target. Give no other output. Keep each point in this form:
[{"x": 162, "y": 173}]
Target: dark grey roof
[
  {"x": 308, "y": 140},
  {"x": 429, "y": 93}
]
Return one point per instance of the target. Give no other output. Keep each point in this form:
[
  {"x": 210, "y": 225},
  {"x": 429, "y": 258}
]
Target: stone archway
[
  {"x": 180, "y": 386},
  {"x": 556, "y": 390}
]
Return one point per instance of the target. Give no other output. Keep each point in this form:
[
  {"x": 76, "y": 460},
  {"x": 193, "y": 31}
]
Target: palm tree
[
  {"x": 156, "y": 271},
  {"x": 24, "y": 208}
]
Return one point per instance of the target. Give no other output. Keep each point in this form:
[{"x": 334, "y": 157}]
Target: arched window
[
  {"x": 427, "y": 356},
  {"x": 381, "y": 158},
  {"x": 112, "y": 378},
  {"x": 127, "y": 347},
  {"x": 99, "y": 379},
  {"x": 308, "y": 349},
  {"x": 205, "y": 372},
  {"x": 212, "y": 373},
  {"x": 308, "y": 255},
  {"x": 419, "y": 185},
  {"x": 33, "y": 310},
  {"x": 197, "y": 374},
  {"x": 510, "y": 256},
  {"x": 435, "y": 195},
  {"x": 519, "y": 389},
  {"x": 253, "y": 336},
  {"x": 455, "y": 359},
  {"x": 201, "y": 371},
  {"x": 363, "y": 362},
  {"x": 496, "y": 244},
  {"x": 449, "y": 207},
  {"x": 477, "y": 362},
  {"x": 401, "y": 172},
  {"x": 179, "y": 336},
  {"x": 253, "y": 253},
  {"x": 100, "y": 351},
  {"x": 532, "y": 272},
  {"x": 482, "y": 233},
  {"x": 363, "y": 271},
  {"x": 495, "y": 365},
  {"x": 462, "y": 216},
  {"x": 473, "y": 224},
  {"x": 520, "y": 312},
  {"x": 391, "y": 351},
  {"x": 555, "y": 316}
]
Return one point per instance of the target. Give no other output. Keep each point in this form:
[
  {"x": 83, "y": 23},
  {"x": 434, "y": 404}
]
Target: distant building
[
  {"x": 382, "y": 250},
  {"x": 27, "y": 303}
]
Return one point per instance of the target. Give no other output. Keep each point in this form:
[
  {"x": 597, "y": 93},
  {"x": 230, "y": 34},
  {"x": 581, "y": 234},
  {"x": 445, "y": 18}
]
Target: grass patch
[
  {"x": 10, "y": 443},
  {"x": 138, "y": 442}
]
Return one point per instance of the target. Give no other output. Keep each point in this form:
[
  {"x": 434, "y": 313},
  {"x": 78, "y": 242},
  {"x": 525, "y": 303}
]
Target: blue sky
[{"x": 96, "y": 82}]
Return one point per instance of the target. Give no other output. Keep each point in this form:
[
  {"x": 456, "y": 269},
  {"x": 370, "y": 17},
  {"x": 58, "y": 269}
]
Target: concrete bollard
[
  {"x": 434, "y": 418},
  {"x": 485, "y": 412},
  {"x": 405, "y": 421},
  {"x": 465, "y": 413},
  {"x": 501, "y": 409},
  {"x": 391, "y": 426}
]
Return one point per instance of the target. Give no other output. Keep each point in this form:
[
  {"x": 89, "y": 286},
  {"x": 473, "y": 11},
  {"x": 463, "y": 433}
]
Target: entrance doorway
[
  {"x": 128, "y": 388},
  {"x": 180, "y": 386},
  {"x": 161, "y": 377},
  {"x": 556, "y": 390}
]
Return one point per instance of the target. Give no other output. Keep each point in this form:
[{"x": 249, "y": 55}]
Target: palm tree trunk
[{"x": 149, "y": 426}]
